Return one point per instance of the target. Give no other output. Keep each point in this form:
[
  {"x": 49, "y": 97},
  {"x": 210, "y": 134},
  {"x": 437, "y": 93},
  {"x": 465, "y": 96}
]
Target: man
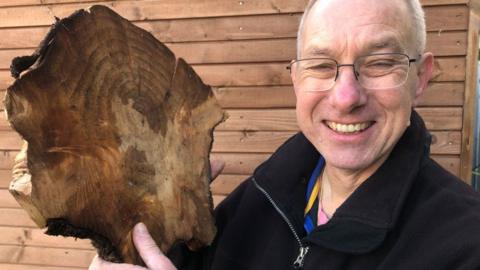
[{"x": 356, "y": 189}]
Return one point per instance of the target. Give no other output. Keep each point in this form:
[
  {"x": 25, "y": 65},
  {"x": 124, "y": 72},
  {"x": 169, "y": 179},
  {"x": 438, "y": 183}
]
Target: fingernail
[{"x": 141, "y": 228}]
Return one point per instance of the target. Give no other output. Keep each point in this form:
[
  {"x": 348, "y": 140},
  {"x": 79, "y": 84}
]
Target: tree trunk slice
[{"x": 119, "y": 131}]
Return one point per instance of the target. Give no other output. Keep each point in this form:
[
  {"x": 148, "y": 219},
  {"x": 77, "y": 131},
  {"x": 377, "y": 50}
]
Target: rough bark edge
[{"x": 105, "y": 248}]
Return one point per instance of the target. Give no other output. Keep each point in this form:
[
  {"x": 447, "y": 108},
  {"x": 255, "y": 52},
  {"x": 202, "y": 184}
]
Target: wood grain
[{"x": 470, "y": 104}]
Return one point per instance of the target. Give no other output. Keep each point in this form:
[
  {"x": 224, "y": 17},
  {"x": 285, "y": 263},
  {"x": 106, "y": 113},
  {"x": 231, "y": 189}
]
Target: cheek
[{"x": 307, "y": 105}]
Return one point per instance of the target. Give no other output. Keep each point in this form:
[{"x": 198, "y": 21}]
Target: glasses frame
[{"x": 410, "y": 60}]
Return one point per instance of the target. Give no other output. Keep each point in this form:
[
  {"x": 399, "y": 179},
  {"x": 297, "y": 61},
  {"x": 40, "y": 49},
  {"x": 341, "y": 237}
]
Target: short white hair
[{"x": 418, "y": 19}]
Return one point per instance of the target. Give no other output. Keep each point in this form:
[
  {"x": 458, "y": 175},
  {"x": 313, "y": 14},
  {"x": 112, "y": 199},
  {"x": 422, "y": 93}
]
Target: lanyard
[{"x": 313, "y": 188}]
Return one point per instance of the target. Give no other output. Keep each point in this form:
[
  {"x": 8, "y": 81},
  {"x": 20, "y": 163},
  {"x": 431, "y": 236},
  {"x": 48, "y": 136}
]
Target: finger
[
  {"x": 149, "y": 251},
  {"x": 99, "y": 264},
  {"x": 216, "y": 167}
]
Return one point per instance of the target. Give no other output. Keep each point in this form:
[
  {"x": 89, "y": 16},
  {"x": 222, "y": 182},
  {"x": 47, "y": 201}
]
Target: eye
[
  {"x": 321, "y": 67},
  {"x": 381, "y": 64}
]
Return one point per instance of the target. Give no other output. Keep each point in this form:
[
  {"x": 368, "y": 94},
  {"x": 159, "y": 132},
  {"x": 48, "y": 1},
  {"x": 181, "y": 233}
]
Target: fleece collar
[{"x": 361, "y": 223}]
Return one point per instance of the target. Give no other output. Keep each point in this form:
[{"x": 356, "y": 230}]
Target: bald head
[{"x": 417, "y": 29}]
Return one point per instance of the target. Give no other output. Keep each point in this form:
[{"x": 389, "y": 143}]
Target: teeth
[{"x": 350, "y": 128}]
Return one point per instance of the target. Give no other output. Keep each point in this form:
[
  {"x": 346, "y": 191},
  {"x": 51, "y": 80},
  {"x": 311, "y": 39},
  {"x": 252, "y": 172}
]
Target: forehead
[{"x": 357, "y": 26}]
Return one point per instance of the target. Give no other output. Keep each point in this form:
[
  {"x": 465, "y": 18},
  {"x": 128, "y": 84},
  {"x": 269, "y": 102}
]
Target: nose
[{"x": 347, "y": 94}]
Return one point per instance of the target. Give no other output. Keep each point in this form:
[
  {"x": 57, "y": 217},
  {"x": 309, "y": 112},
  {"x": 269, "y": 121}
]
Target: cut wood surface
[{"x": 123, "y": 133}]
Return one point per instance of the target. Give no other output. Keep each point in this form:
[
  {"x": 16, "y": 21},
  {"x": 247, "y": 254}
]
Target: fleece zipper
[{"x": 298, "y": 263}]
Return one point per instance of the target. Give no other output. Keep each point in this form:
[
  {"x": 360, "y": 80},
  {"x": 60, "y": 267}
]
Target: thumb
[{"x": 149, "y": 251}]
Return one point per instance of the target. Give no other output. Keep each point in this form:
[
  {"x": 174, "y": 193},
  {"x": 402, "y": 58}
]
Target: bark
[{"x": 119, "y": 131}]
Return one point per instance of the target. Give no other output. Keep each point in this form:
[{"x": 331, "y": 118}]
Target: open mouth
[{"x": 348, "y": 128}]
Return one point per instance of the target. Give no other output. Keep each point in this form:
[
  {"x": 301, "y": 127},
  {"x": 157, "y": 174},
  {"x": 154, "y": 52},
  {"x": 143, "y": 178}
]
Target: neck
[{"x": 337, "y": 187}]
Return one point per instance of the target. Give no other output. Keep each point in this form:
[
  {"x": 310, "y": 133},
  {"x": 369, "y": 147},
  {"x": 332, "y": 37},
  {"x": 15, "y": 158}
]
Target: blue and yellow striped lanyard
[{"x": 313, "y": 189}]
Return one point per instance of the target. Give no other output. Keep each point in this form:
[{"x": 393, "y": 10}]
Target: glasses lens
[
  {"x": 315, "y": 75},
  {"x": 382, "y": 71}
]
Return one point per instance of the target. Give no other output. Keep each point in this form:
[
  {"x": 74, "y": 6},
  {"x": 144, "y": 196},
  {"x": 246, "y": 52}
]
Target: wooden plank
[
  {"x": 240, "y": 163},
  {"x": 37, "y": 237},
  {"x": 7, "y": 200},
  {"x": 447, "y": 43},
  {"x": 224, "y": 28},
  {"x": 447, "y": 118},
  {"x": 223, "y": 185},
  {"x": 5, "y": 178},
  {"x": 13, "y": 3},
  {"x": 5, "y": 79},
  {"x": 270, "y": 50},
  {"x": 260, "y": 120},
  {"x": 444, "y": 142},
  {"x": 437, "y": 94},
  {"x": 442, "y": 18},
  {"x": 446, "y": 69},
  {"x": 446, "y": 18},
  {"x": 441, "y": 118},
  {"x": 249, "y": 141},
  {"x": 9, "y": 266},
  {"x": 471, "y": 88},
  {"x": 217, "y": 199},
  {"x": 199, "y": 29},
  {"x": 273, "y": 50},
  {"x": 450, "y": 163},
  {"x": 6, "y": 159},
  {"x": 256, "y": 97},
  {"x": 8, "y": 3},
  {"x": 443, "y": 94},
  {"x": 442, "y": 2},
  {"x": 151, "y": 10},
  {"x": 10, "y": 140},
  {"x": 245, "y": 163},
  {"x": 15, "y": 217},
  {"x": 37, "y": 2},
  {"x": 46, "y": 256}
]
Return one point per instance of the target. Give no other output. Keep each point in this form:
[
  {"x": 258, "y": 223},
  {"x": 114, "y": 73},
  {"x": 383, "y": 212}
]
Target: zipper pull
[{"x": 298, "y": 264}]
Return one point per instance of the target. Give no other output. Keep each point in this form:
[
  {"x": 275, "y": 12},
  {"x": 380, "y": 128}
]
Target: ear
[{"x": 424, "y": 73}]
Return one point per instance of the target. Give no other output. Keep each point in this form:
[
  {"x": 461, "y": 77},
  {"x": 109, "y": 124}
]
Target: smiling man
[{"x": 356, "y": 189}]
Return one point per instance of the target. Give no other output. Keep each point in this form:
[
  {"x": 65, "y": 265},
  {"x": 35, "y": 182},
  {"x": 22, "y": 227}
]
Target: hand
[
  {"x": 216, "y": 167},
  {"x": 151, "y": 255},
  {"x": 148, "y": 250}
]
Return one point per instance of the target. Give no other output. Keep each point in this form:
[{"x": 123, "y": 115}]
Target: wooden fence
[{"x": 242, "y": 48}]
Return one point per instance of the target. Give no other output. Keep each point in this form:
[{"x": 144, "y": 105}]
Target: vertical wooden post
[{"x": 469, "y": 112}]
